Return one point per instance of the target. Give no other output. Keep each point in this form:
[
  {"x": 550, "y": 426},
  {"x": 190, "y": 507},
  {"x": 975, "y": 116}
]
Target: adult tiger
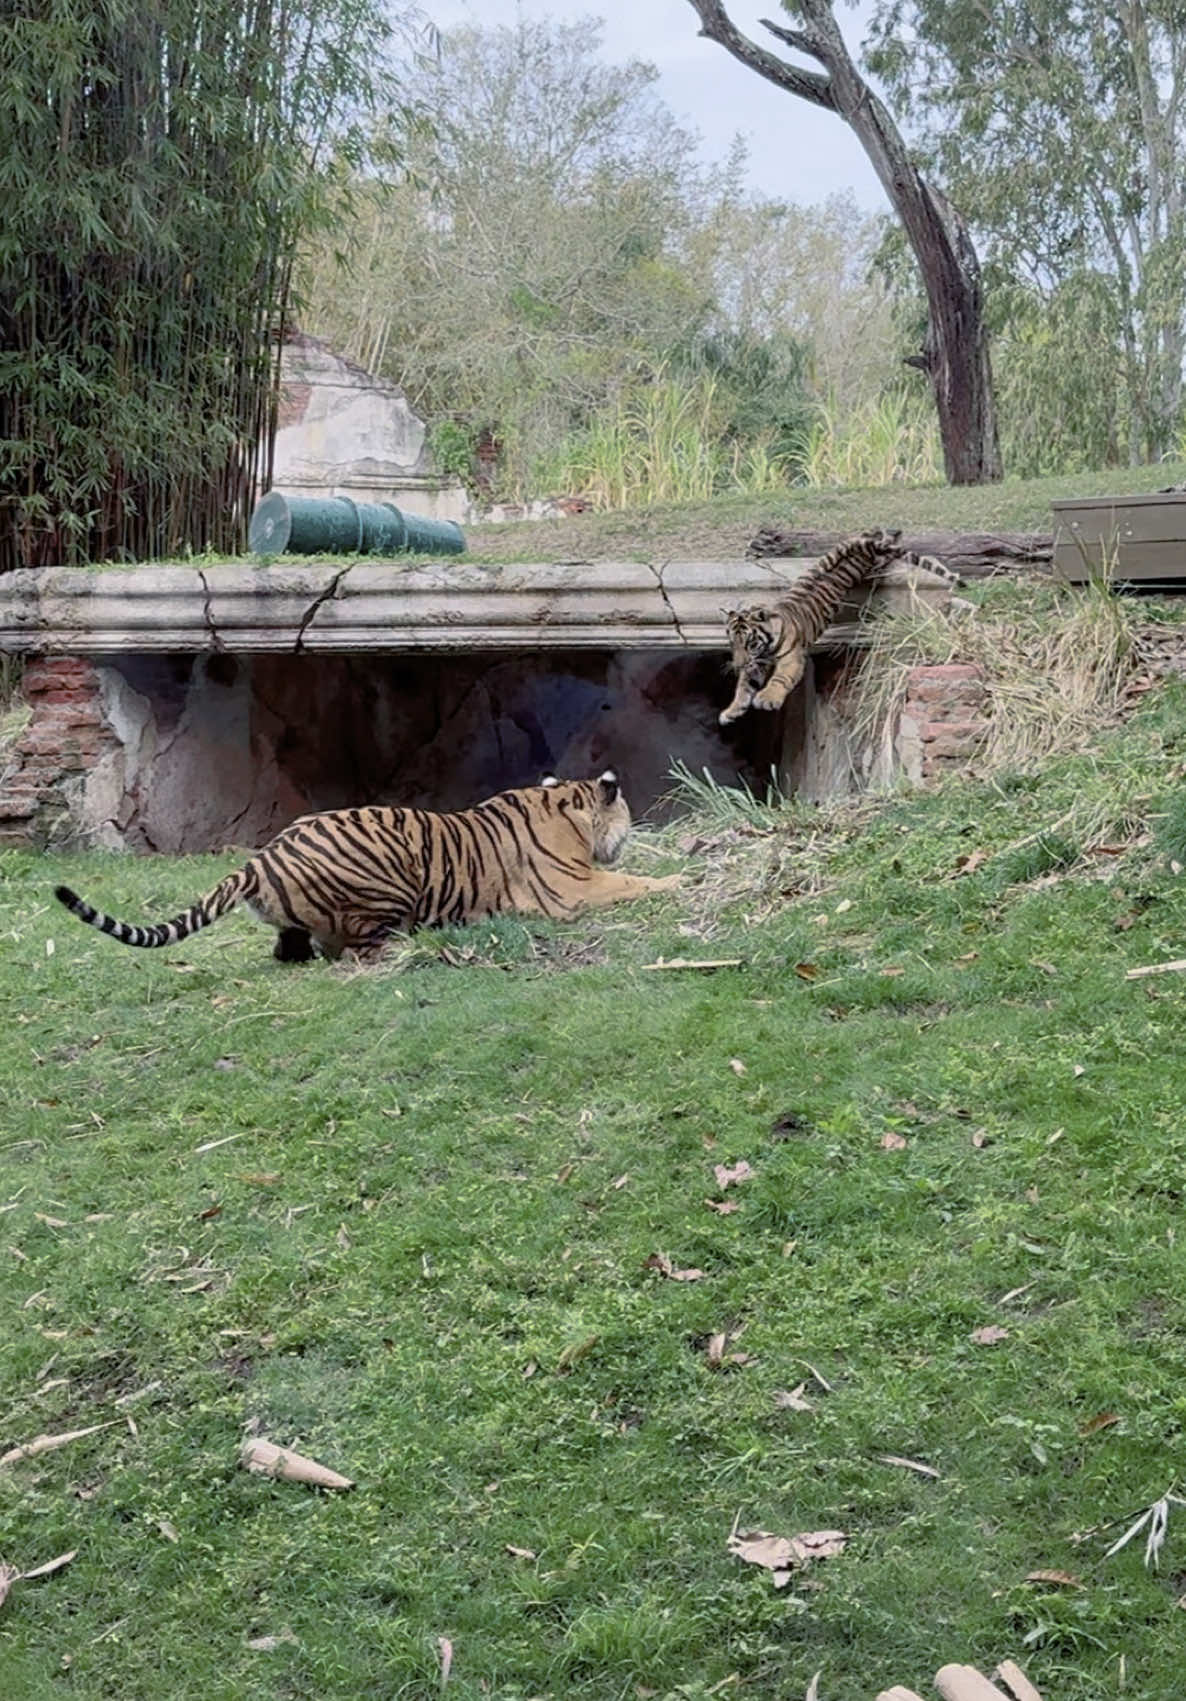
[
  {"x": 770, "y": 645},
  {"x": 348, "y": 879}
]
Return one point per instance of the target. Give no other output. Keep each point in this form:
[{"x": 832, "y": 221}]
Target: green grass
[
  {"x": 414, "y": 1256},
  {"x": 719, "y": 530}
]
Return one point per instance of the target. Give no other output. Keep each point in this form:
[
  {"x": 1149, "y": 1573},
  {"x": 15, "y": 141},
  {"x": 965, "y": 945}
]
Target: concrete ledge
[{"x": 386, "y": 608}]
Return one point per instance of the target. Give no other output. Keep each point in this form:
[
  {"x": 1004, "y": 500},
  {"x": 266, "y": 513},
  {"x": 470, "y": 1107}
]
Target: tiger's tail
[{"x": 233, "y": 890}]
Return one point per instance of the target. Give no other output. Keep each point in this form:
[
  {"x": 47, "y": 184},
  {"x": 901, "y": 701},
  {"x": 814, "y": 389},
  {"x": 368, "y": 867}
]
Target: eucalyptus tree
[
  {"x": 955, "y": 353},
  {"x": 1060, "y": 129},
  {"x": 157, "y": 168}
]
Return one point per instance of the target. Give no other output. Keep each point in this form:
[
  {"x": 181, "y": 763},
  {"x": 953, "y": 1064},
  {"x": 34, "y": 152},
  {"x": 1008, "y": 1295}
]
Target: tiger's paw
[{"x": 770, "y": 697}]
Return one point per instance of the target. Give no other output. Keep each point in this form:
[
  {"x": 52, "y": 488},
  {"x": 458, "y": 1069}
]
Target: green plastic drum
[{"x": 334, "y": 525}]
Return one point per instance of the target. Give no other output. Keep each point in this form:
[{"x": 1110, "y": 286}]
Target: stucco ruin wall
[{"x": 342, "y": 432}]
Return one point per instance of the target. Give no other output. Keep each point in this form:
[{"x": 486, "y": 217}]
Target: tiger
[
  {"x": 770, "y": 644},
  {"x": 347, "y": 879}
]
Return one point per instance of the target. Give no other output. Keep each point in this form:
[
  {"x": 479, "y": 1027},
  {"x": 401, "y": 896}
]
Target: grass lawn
[{"x": 401, "y": 1220}]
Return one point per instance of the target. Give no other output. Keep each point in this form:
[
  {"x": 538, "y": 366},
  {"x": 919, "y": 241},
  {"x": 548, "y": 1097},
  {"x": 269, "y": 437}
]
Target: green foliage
[
  {"x": 1055, "y": 129},
  {"x": 155, "y": 176},
  {"x": 453, "y": 447},
  {"x": 889, "y": 439}
]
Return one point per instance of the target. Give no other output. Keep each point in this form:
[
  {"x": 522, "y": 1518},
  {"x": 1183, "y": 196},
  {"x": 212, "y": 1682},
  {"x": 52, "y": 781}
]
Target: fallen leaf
[
  {"x": 892, "y": 1142},
  {"x": 1078, "y": 1070},
  {"x": 51, "y": 1222},
  {"x": 1101, "y": 1420},
  {"x": 844, "y": 905},
  {"x": 258, "y": 1178},
  {"x": 518, "y": 1552},
  {"x": 446, "y": 1648},
  {"x": 167, "y": 1530},
  {"x": 723, "y": 1207},
  {"x": 661, "y": 1262},
  {"x": 737, "y": 1066},
  {"x": 342, "y": 1238},
  {"x": 889, "y": 974},
  {"x": 807, "y": 971},
  {"x": 47, "y": 1443},
  {"x": 210, "y": 1211},
  {"x": 980, "y": 1138},
  {"x": 782, "y": 1555},
  {"x": 1065, "y": 1579},
  {"x": 968, "y": 957},
  {"x": 792, "y": 1399},
  {"x": 563, "y": 1173},
  {"x": 813, "y": 1687},
  {"x": 50, "y": 1566},
  {"x": 717, "y": 1354},
  {"x": 989, "y": 1335},
  {"x": 10, "y": 1575},
  {"x": 621, "y": 1181},
  {"x": 266, "y": 1644},
  {"x": 971, "y": 862},
  {"x": 529, "y": 1369},
  {"x": 728, "y": 1175},
  {"x": 908, "y": 1464}
]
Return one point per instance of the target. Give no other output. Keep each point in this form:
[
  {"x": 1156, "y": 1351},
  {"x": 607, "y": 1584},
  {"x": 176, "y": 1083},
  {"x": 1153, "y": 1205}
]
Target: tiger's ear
[
  {"x": 549, "y": 780},
  {"x": 609, "y": 785}
]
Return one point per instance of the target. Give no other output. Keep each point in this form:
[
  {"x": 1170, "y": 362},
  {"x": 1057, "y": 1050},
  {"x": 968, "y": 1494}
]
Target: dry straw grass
[{"x": 1056, "y": 661}]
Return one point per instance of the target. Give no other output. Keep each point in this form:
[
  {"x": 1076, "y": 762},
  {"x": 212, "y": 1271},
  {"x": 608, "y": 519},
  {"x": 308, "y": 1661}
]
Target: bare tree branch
[{"x": 716, "y": 26}]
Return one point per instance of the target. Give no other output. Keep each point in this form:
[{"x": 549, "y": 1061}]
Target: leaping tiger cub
[
  {"x": 348, "y": 879},
  {"x": 770, "y": 643}
]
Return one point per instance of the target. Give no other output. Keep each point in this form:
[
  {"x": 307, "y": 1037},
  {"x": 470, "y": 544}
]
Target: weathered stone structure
[
  {"x": 340, "y": 431},
  {"x": 180, "y": 709}
]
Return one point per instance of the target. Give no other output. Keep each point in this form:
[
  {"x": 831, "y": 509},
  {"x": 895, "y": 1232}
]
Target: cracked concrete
[
  {"x": 319, "y": 601},
  {"x": 658, "y": 572}
]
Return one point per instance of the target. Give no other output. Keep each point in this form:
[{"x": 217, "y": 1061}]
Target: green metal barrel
[{"x": 334, "y": 525}]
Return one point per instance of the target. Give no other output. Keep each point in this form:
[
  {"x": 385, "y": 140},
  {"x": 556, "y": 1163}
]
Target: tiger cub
[
  {"x": 348, "y": 879},
  {"x": 770, "y": 643}
]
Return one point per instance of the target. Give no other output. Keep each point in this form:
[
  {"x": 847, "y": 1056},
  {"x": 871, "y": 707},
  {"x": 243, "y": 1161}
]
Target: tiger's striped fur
[
  {"x": 348, "y": 879},
  {"x": 770, "y": 644}
]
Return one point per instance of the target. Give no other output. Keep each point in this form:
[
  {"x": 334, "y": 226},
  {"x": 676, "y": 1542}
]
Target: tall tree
[
  {"x": 1061, "y": 129},
  {"x": 955, "y": 351},
  {"x": 157, "y": 166}
]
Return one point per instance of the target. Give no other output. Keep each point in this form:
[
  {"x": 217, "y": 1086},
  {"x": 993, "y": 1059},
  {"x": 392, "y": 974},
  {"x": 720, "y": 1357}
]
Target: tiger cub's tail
[{"x": 229, "y": 892}]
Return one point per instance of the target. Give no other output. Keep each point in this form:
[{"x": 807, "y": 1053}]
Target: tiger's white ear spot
[
  {"x": 549, "y": 780},
  {"x": 609, "y": 777}
]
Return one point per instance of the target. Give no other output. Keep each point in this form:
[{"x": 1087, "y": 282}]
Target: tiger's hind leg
[{"x": 293, "y": 945}]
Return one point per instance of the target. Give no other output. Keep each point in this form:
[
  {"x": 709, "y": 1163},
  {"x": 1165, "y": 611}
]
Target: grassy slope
[
  {"x": 721, "y": 529},
  {"x": 419, "y": 1210}
]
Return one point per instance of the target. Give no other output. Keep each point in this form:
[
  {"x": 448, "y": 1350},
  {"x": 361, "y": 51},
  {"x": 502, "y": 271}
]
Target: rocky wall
[{"x": 188, "y": 753}]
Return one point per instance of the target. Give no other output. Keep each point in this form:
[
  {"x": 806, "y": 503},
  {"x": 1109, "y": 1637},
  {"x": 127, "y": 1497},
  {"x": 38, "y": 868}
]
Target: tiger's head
[
  {"x": 754, "y": 634},
  {"x": 596, "y": 808}
]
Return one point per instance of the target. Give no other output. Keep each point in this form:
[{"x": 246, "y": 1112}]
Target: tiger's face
[
  {"x": 754, "y": 634},
  {"x": 597, "y": 808}
]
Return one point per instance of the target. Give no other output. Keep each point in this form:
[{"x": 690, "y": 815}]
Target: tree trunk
[
  {"x": 974, "y": 555},
  {"x": 955, "y": 354}
]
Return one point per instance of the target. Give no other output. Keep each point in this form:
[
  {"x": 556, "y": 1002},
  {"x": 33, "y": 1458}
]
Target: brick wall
[
  {"x": 943, "y": 720},
  {"x": 66, "y": 736}
]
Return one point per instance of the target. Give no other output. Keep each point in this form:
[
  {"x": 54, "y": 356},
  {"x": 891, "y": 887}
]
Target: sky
[{"x": 796, "y": 152}]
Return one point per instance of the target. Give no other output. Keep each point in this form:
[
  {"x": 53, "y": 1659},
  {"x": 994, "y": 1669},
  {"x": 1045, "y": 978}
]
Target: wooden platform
[{"x": 1134, "y": 540}]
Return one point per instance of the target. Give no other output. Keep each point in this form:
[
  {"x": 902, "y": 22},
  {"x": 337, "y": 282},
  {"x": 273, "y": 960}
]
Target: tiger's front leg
[
  {"x": 605, "y": 888},
  {"x": 781, "y": 683},
  {"x": 742, "y": 698}
]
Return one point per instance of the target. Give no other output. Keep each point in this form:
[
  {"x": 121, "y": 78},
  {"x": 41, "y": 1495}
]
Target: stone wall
[
  {"x": 188, "y": 753},
  {"x": 178, "y": 753}
]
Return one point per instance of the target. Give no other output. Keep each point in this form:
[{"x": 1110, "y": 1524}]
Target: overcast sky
[{"x": 796, "y": 152}]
